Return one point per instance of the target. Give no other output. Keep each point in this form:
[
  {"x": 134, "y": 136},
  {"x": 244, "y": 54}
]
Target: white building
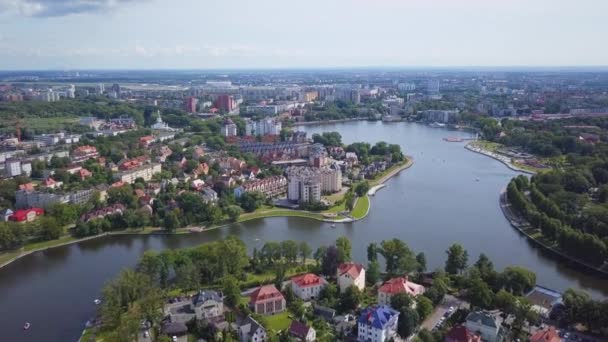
[
  {"x": 307, "y": 286},
  {"x": 267, "y": 126},
  {"x": 350, "y": 274},
  {"x": 377, "y": 324},
  {"x": 229, "y": 128},
  {"x": 12, "y": 167},
  {"x": 485, "y": 324},
  {"x": 396, "y": 286},
  {"x": 252, "y": 331},
  {"x": 145, "y": 171},
  {"x": 306, "y": 184}
]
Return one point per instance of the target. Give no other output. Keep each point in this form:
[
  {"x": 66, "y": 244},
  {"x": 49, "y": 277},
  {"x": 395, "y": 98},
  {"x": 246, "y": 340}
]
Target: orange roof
[
  {"x": 401, "y": 285},
  {"x": 26, "y": 186},
  {"x": 307, "y": 280},
  {"x": 547, "y": 335},
  {"x": 352, "y": 269},
  {"x": 264, "y": 293}
]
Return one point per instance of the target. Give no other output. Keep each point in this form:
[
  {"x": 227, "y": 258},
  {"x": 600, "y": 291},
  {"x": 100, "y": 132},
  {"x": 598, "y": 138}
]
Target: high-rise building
[
  {"x": 71, "y": 92},
  {"x": 100, "y": 89},
  {"x": 116, "y": 88},
  {"x": 225, "y": 103},
  {"x": 432, "y": 87},
  {"x": 267, "y": 126},
  {"x": 229, "y": 128},
  {"x": 191, "y": 102}
]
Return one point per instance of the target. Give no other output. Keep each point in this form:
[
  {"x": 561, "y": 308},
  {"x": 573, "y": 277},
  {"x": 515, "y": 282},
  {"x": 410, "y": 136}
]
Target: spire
[{"x": 158, "y": 118}]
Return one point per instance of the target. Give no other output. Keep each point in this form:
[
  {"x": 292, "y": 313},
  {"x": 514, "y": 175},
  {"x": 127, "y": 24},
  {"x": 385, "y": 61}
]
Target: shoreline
[
  {"x": 326, "y": 122},
  {"x": 520, "y": 224},
  {"x": 157, "y": 231},
  {"x": 492, "y": 155}
]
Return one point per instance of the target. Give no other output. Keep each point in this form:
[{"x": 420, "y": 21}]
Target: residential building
[
  {"x": 145, "y": 171},
  {"x": 271, "y": 186},
  {"x": 160, "y": 125},
  {"x": 116, "y": 209},
  {"x": 350, "y": 274},
  {"x": 485, "y": 324},
  {"x": 548, "y": 334},
  {"x": 307, "y": 286},
  {"x": 190, "y": 104},
  {"x": 252, "y": 331},
  {"x": 543, "y": 300},
  {"x": 460, "y": 333},
  {"x": 266, "y": 126},
  {"x": 43, "y": 199},
  {"x": 12, "y": 167},
  {"x": 226, "y": 103},
  {"x": 83, "y": 153},
  {"x": 209, "y": 195},
  {"x": 229, "y": 128},
  {"x": 267, "y": 300},
  {"x": 302, "y": 332},
  {"x": 398, "y": 285},
  {"x": 6, "y": 214},
  {"x": 26, "y": 215},
  {"x": 441, "y": 116},
  {"x": 207, "y": 304},
  {"x": 377, "y": 324},
  {"x": 306, "y": 184}
]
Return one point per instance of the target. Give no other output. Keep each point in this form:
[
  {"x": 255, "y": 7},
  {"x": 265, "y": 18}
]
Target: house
[
  {"x": 396, "y": 286},
  {"x": 27, "y": 186},
  {"x": 377, "y": 324},
  {"x": 302, "y": 332},
  {"x": 252, "y": 331},
  {"x": 350, "y": 274},
  {"x": 146, "y": 141},
  {"x": 209, "y": 195},
  {"x": 207, "y": 304},
  {"x": 460, "y": 333},
  {"x": 198, "y": 184},
  {"x": 174, "y": 329},
  {"x": 307, "y": 286},
  {"x": 326, "y": 313},
  {"x": 548, "y": 334},
  {"x": 26, "y": 215},
  {"x": 84, "y": 174},
  {"x": 543, "y": 300},
  {"x": 267, "y": 300},
  {"x": 82, "y": 153},
  {"x": 51, "y": 183},
  {"x": 116, "y": 209},
  {"x": 485, "y": 324},
  {"x": 270, "y": 187}
]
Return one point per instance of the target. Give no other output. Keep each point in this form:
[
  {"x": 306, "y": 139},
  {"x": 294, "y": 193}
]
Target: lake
[{"x": 449, "y": 195}]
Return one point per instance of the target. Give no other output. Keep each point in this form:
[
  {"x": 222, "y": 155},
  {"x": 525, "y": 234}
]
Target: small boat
[
  {"x": 477, "y": 179},
  {"x": 97, "y": 301},
  {"x": 333, "y": 225},
  {"x": 26, "y": 325}
]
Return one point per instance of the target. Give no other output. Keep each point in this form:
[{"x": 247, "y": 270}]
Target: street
[{"x": 441, "y": 309}]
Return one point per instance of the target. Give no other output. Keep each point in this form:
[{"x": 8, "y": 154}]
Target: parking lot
[{"x": 449, "y": 305}]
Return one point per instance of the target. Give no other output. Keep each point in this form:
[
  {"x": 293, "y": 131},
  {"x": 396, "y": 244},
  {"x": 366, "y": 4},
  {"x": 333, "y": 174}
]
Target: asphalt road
[{"x": 441, "y": 309}]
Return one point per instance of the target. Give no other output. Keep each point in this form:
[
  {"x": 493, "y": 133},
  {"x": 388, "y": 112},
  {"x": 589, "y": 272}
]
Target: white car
[{"x": 174, "y": 339}]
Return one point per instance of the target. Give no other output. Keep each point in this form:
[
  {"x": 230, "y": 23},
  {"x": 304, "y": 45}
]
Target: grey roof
[
  {"x": 484, "y": 318},
  {"x": 325, "y": 312},
  {"x": 205, "y": 295},
  {"x": 254, "y": 325},
  {"x": 174, "y": 328}
]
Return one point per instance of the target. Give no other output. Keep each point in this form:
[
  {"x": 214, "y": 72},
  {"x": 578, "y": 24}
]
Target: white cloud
[{"x": 58, "y": 8}]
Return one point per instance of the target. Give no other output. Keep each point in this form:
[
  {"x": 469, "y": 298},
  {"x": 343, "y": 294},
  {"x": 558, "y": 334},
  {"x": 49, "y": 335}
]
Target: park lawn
[
  {"x": 376, "y": 180},
  {"x": 50, "y": 124},
  {"x": 487, "y": 145},
  {"x": 336, "y": 209},
  {"x": 361, "y": 207},
  {"x": 278, "y": 212},
  {"x": 278, "y": 322}
]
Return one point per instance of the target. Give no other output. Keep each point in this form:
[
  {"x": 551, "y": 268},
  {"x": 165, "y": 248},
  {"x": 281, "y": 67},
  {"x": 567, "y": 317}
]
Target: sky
[{"x": 226, "y": 34}]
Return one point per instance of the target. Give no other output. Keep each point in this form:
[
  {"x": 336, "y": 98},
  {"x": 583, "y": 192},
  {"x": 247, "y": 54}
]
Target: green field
[
  {"x": 278, "y": 322},
  {"x": 361, "y": 207}
]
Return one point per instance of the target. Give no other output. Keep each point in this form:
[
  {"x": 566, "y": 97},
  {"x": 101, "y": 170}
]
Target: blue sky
[{"x": 174, "y": 34}]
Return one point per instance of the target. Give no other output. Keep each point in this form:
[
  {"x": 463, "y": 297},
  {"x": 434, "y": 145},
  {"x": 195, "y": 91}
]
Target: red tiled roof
[
  {"x": 401, "y": 285},
  {"x": 265, "y": 292},
  {"x": 352, "y": 269},
  {"x": 26, "y": 186},
  {"x": 461, "y": 334},
  {"x": 547, "y": 335},
  {"x": 308, "y": 279}
]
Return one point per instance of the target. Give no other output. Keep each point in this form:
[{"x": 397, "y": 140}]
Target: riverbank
[
  {"x": 524, "y": 228},
  {"x": 324, "y": 122},
  {"x": 359, "y": 212},
  {"x": 505, "y": 160}
]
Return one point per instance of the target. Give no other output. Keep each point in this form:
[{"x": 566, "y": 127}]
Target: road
[{"x": 441, "y": 309}]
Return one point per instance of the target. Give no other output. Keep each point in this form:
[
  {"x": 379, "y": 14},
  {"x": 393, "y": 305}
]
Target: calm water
[{"x": 433, "y": 204}]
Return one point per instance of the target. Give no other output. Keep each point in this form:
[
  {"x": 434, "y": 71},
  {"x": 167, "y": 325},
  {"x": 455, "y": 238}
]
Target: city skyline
[{"x": 237, "y": 34}]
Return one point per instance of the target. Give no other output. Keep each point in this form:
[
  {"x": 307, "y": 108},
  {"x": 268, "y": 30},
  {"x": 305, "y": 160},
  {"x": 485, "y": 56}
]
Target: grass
[
  {"x": 278, "y": 322},
  {"x": 361, "y": 207},
  {"x": 4, "y": 257},
  {"x": 278, "y": 212},
  {"x": 487, "y": 145},
  {"x": 376, "y": 180}
]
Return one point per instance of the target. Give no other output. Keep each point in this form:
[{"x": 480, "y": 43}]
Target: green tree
[
  {"x": 518, "y": 280},
  {"x": 350, "y": 299},
  {"x": 304, "y": 250},
  {"x": 344, "y": 249},
  {"x": 398, "y": 256},
  {"x": 231, "y": 291},
  {"x": 408, "y": 321},
  {"x": 50, "y": 228},
  {"x": 480, "y": 294},
  {"x": 457, "y": 259},
  {"x": 421, "y": 259},
  {"x": 373, "y": 272},
  {"x": 424, "y": 307},
  {"x": 372, "y": 252},
  {"x": 171, "y": 221},
  {"x": 233, "y": 212}
]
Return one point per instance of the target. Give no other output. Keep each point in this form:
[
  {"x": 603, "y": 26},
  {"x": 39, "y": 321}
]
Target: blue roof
[{"x": 377, "y": 316}]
